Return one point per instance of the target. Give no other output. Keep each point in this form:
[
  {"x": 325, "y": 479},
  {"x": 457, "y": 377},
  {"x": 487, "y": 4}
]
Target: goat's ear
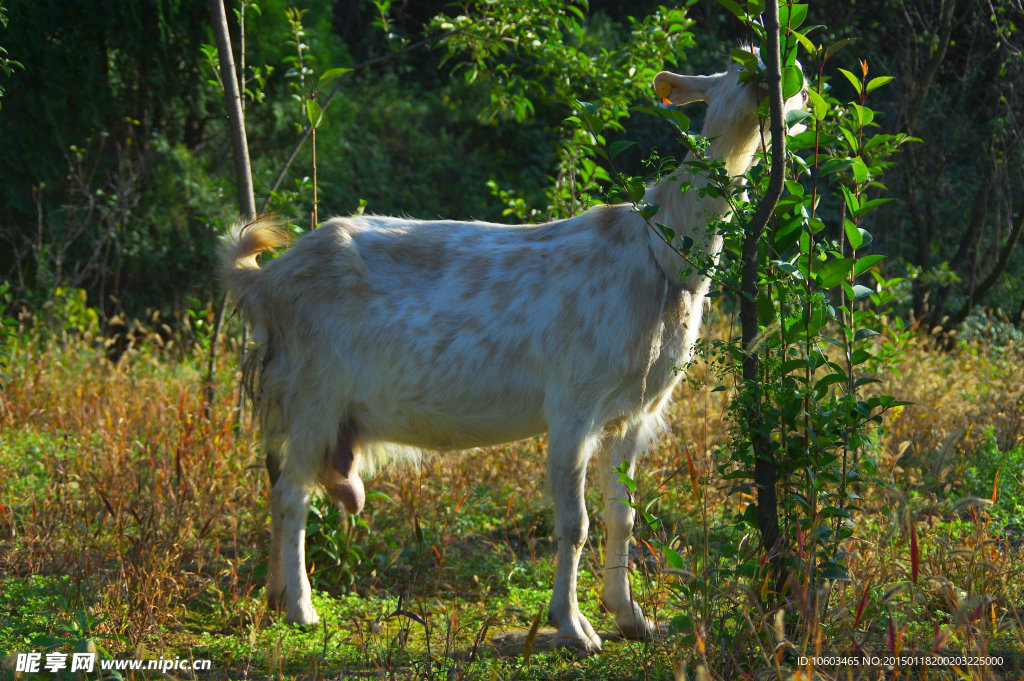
[{"x": 683, "y": 89}]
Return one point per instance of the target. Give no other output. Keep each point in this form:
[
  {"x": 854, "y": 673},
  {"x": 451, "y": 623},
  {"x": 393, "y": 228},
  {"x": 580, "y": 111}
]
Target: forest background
[{"x": 115, "y": 172}]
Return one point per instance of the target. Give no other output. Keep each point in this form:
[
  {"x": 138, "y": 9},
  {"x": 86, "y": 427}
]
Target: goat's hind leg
[
  {"x": 288, "y": 586},
  {"x": 275, "y": 565},
  {"x": 618, "y": 518}
]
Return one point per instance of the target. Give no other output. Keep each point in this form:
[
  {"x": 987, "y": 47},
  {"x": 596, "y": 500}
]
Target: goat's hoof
[
  {"x": 578, "y": 636},
  {"x": 635, "y": 626},
  {"x": 303, "y": 615},
  {"x": 578, "y": 642}
]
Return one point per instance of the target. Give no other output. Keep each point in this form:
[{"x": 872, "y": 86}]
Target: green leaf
[
  {"x": 818, "y": 104},
  {"x": 865, "y": 333},
  {"x": 866, "y": 263},
  {"x": 852, "y": 202},
  {"x": 659, "y": 113},
  {"x": 806, "y": 140},
  {"x": 853, "y": 235},
  {"x": 796, "y": 116},
  {"x": 747, "y": 59},
  {"x": 819, "y": 317},
  {"x": 786, "y": 235},
  {"x": 680, "y": 625},
  {"x": 619, "y": 146},
  {"x": 678, "y": 119},
  {"x": 864, "y": 114},
  {"x": 870, "y": 205},
  {"x": 860, "y": 170},
  {"x": 674, "y": 560},
  {"x": 836, "y": 164},
  {"x": 806, "y": 43},
  {"x": 878, "y": 82},
  {"x": 865, "y": 237},
  {"x": 378, "y": 496},
  {"x": 792, "y": 17},
  {"x": 791, "y": 270},
  {"x": 836, "y": 46},
  {"x": 648, "y": 210},
  {"x": 792, "y": 81},
  {"x": 636, "y": 190},
  {"x": 315, "y": 113},
  {"x": 750, "y": 512},
  {"x": 734, "y": 8},
  {"x": 788, "y": 202},
  {"x": 596, "y": 124},
  {"x": 824, "y": 383},
  {"x": 792, "y": 365},
  {"x": 857, "y": 292},
  {"x": 596, "y": 149},
  {"x": 850, "y": 139},
  {"x": 330, "y": 75},
  {"x": 859, "y": 356},
  {"x": 834, "y": 272},
  {"x": 854, "y": 80},
  {"x": 834, "y": 571}
]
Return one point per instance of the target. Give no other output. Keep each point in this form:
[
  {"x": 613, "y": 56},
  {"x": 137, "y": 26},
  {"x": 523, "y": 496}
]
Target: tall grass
[{"x": 125, "y": 498}]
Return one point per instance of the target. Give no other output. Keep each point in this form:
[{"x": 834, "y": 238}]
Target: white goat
[{"x": 381, "y": 334}]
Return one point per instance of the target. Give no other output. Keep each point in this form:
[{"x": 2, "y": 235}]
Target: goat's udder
[{"x": 340, "y": 476}]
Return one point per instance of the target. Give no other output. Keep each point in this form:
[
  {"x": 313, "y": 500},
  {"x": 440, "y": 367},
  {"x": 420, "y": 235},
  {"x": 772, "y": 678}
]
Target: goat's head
[{"x": 732, "y": 103}]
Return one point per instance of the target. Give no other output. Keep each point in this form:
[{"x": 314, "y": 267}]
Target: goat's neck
[{"x": 688, "y": 214}]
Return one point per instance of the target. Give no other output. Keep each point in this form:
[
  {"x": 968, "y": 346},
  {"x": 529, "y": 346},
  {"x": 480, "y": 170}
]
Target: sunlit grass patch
[{"x": 130, "y": 502}]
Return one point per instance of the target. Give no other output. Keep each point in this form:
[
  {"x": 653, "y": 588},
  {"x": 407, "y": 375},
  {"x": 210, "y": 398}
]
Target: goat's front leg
[
  {"x": 568, "y": 453},
  {"x": 288, "y": 586},
  {"x": 618, "y": 518}
]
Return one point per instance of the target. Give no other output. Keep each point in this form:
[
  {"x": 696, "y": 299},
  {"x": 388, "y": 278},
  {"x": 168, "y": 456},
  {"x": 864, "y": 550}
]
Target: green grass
[{"x": 128, "y": 509}]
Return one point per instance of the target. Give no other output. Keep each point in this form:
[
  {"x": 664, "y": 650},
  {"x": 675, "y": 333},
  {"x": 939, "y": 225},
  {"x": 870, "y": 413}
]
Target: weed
[{"x": 127, "y": 505}]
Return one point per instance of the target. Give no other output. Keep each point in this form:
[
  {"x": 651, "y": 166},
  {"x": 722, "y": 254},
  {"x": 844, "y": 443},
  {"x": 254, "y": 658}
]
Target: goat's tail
[{"x": 237, "y": 254}]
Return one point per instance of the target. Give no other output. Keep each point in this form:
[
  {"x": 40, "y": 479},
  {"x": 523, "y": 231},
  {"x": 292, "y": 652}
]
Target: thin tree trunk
[
  {"x": 984, "y": 287},
  {"x": 236, "y": 116},
  {"x": 968, "y": 243},
  {"x": 765, "y": 473},
  {"x": 243, "y": 173}
]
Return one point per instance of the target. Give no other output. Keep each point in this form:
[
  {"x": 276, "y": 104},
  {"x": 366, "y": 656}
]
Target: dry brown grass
[{"x": 144, "y": 506}]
